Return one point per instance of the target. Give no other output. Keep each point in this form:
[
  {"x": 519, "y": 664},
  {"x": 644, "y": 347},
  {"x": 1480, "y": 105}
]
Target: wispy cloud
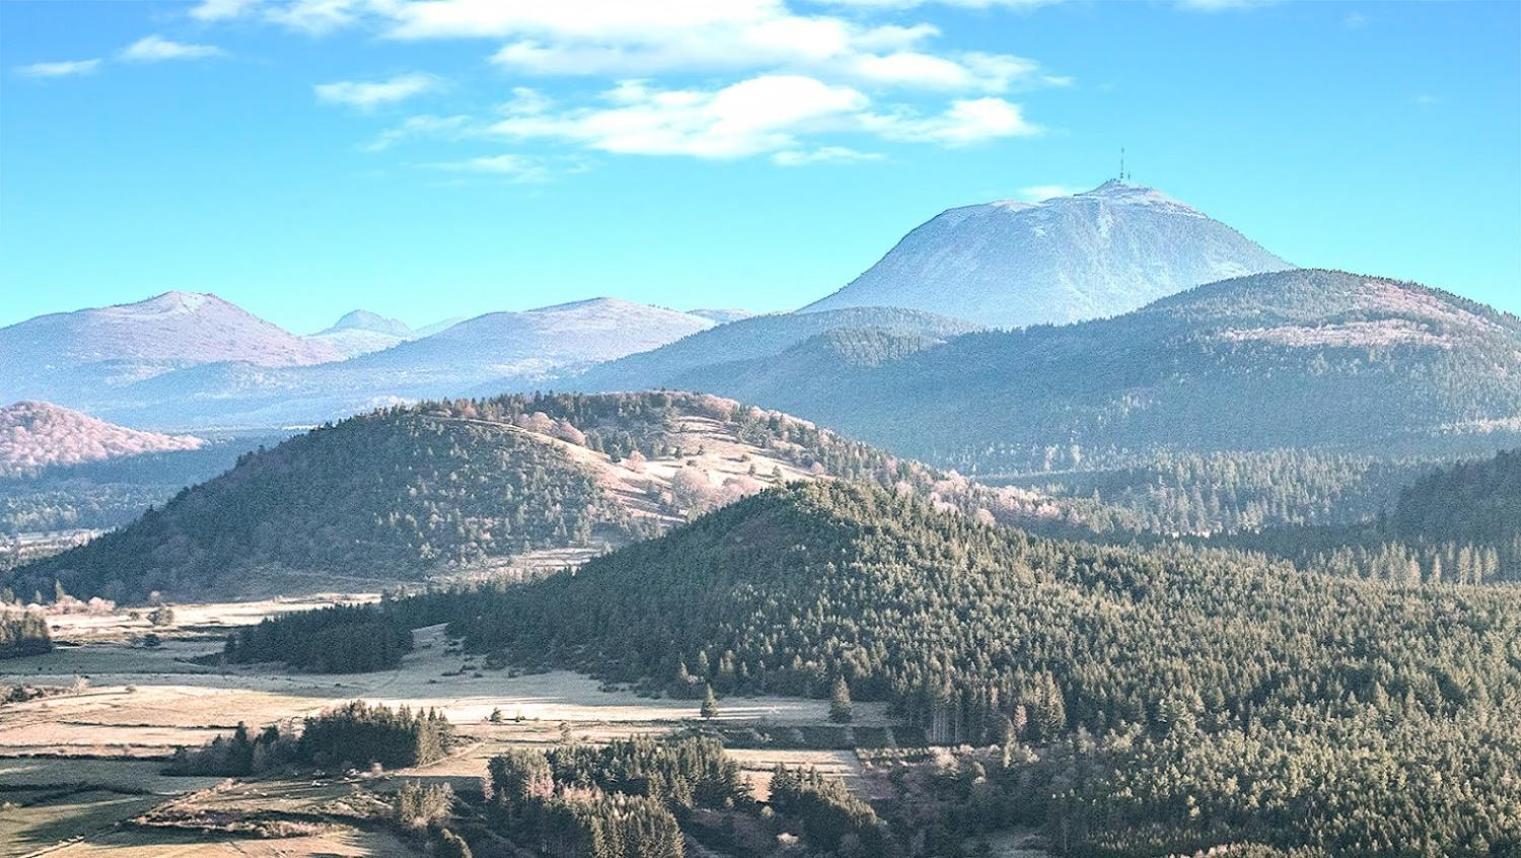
[
  {"x": 769, "y": 114},
  {"x": 456, "y": 127},
  {"x": 965, "y": 122},
  {"x": 65, "y": 68},
  {"x": 762, "y": 114},
  {"x": 517, "y": 168},
  {"x": 367, "y": 95},
  {"x": 823, "y": 155},
  {"x": 155, "y": 48},
  {"x": 221, "y": 10},
  {"x": 312, "y": 17}
]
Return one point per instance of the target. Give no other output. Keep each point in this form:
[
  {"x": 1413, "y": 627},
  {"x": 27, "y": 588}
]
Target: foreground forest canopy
[{"x": 1147, "y": 701}]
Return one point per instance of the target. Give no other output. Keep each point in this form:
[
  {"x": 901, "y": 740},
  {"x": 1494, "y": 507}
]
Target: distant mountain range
[
  {"x": 37, "y": 435},
  {"x": 188, "y": 360},
  {"x": 1011, "y": 264},
  {"x": 67, "y": 357}
]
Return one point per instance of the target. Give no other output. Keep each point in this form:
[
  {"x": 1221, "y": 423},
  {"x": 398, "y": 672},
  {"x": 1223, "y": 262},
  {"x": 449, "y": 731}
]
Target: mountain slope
[
  {"x": 1096, "y": 254},
  {"x": 37, "y": 435},
  {"x": 69, "y": 353},
  {"x": 406, "y": 493},
  {"x": 1303, "y": 358},
  {"x": 680, "y": 363}
]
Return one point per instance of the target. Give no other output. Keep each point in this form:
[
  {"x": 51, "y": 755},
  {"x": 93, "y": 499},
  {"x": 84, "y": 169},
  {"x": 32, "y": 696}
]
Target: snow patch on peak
[
  {"x": 167, "y": 304},
  {"x": 1116, "y": 192}
]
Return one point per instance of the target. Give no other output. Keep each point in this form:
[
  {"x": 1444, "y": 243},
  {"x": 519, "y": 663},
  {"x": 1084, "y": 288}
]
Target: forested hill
[
  {"x": 1461, "y": 523},
  {"x": 401, "y": 494},
  {"x": 1476, "y": 502},
  {"x": 1293, "y": 359},
  {"x": 1190, "y": 672}
]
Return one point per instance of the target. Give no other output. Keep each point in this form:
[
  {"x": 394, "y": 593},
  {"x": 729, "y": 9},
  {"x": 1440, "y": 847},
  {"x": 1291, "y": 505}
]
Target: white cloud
[
  {"x": 65, "y": 68},
  {"x": 620, "y": 39},
  {"x": 754, "y": 116},
  {"x": 1037, "y": 193},
  {"x": 369, "y": 94},
  {"x": 769, "y": 114},
  {"x": 518, "y": 168},
  {"x": 780, "y": 78},
  {"x": 965, "y": 122},
  {"x": 155, "y": 48},
  {"x": 221, "y": 10},
  {"x": 313, "y": 17},
  {"x": 823, "y": 155},
  {"x": 317, "y": 17}
]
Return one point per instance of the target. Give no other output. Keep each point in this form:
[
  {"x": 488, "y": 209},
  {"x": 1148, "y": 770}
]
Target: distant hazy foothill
[
  {"x": 38, "y": 435},
  {"x": 189, "y": 360},
  {"x": 361, "y": 332},
  {"x": 687, "y": 363},
  {"x": 1010, "y": 264}
]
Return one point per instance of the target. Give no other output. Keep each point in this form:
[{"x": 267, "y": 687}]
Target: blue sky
[{"x": 452, "y": 157}]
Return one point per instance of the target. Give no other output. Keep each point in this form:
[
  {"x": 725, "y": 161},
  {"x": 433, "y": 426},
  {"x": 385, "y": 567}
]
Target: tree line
[
  {"x": 354, "y": 734},
  {"x": 336, "y": 639}
]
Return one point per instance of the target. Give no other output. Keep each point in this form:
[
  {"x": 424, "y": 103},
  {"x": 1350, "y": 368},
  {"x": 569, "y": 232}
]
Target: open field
[
  {"x": 143, "y": 702},
  {"x": 77, "y": 765}
]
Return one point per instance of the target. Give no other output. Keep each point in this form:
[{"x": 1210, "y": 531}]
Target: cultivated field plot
[{"x": 46, "y": 801}]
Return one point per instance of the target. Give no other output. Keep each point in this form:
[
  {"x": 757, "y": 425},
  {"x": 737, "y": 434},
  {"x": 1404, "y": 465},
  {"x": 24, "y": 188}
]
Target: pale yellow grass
[
  {"x": 171, "y": 702},
  {"x": 153, "y": 844}
]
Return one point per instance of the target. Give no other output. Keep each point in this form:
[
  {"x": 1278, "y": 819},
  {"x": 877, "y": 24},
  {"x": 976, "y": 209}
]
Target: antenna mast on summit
[{"x": 1123, "y": 175}]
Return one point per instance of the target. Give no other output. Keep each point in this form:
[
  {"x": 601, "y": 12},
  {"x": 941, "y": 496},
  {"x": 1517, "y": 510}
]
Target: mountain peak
[
  {"x": 1117, "y": 192},
  {"x": 72, "y": 357},
  {"x": 364, "y": 320},
  {"x": 173, "y": 302},
  {"x": 1099, "y": 253}
]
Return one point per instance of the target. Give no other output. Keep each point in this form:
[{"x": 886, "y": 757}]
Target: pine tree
[
  {"x": 709, "y": 707},
  {"x": 839, "y": 702}
]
